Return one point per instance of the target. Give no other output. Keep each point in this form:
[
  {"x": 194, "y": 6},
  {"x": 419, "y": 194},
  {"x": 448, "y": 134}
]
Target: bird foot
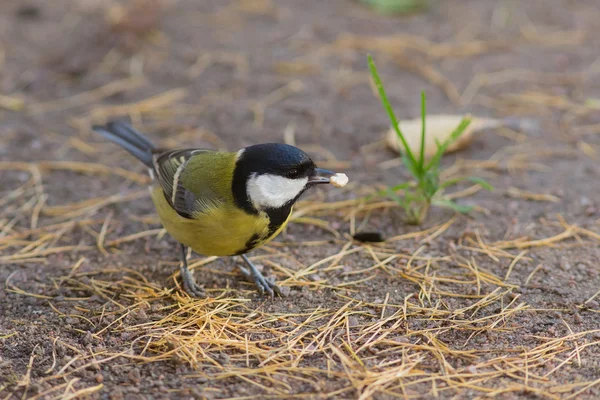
[
  {"x": 189, "y": 284},
  {"x": 264, "y": 285}
]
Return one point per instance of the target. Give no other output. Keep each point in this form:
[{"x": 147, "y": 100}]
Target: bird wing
[{"x": 169, "y": 167}]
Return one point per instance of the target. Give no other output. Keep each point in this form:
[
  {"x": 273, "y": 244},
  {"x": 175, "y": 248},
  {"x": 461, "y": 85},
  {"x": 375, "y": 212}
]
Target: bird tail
[{"x": 130, "y": 139}]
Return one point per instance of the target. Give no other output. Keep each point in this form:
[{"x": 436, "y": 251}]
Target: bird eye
[{"x": 293, "y": 173}]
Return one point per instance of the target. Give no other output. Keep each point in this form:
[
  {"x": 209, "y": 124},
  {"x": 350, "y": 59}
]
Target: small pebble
[
  {"x": 591, "y": 210},
  {"x": 584, "y": 201},
  {"x": 565, "y": 265},
  {"x": 28, "y": 11},
  {"x": 593, "y": 304},
  {"x": 285, "y": 291},
  {"x": 374, "y": 237},
  {"x": 135, "y": 376}
]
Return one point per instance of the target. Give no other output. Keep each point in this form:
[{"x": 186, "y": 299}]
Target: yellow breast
[{"x": 223, "y": 231}]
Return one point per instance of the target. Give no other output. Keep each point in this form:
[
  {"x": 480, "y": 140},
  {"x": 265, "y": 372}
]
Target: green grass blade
[
  {"x": 454, "y": 136},
  {"x": 482, "y": 182},
  {"x": 423, "y": 118},
  {"x": 392, "y": 195},
  {"x": 410, "y": 166},
  {"x": 385, "y": 191},
  {"x": 390, "y": 111},
  {"x": 430, "y": 183},
  {"x": 451, "y": 182},
  {"x": 445, "y": 203},
  {"x": 397, "y": 6},
  {"x": 404, "y": 185}
]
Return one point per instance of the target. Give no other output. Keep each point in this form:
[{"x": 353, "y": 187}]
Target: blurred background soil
[{"x": 497, "y": 304}]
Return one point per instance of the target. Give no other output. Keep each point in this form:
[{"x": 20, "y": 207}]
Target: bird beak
[{"x": 320, "y": 176}]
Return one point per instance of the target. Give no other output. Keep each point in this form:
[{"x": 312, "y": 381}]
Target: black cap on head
[{"x": 277, "y": 159}]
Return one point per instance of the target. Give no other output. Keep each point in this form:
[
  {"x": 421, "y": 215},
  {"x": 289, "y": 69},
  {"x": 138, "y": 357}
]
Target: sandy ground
[{"x": 497, "y": 304}]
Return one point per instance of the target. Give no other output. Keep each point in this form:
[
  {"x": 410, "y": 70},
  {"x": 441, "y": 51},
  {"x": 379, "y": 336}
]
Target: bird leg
[
  {"x": 263, "y": 284},
  {"x": 189, "y": 283}
]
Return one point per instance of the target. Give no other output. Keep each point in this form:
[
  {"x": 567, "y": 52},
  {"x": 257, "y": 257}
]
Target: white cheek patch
[{"x": 273, "y": 191}]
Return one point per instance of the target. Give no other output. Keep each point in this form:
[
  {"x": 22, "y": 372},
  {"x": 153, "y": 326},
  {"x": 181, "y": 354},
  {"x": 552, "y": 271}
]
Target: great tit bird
[{"x": 222, "y": 203}]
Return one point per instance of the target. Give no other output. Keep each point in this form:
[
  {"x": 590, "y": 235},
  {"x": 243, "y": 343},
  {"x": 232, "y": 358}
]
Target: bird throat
[{"x": 277, "y": 216}]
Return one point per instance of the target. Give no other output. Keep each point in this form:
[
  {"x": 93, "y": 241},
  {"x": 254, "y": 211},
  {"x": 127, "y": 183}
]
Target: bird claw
[
  {"x": 264, "y": 285},
  {"x": 194, "y": 290},
  {"x": 189, "y": 284}
]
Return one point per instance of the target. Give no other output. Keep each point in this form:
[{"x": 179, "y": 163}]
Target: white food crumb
[{"x": 339, "y": 180}]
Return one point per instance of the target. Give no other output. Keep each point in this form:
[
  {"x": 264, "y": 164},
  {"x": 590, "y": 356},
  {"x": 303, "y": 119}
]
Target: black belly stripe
[
  {"x": 277, "y": 217},
  {"x": 250, "y": 244}
]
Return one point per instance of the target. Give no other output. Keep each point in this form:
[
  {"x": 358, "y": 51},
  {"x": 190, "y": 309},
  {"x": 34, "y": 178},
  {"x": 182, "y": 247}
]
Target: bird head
[{"x": 274, "y": 175}]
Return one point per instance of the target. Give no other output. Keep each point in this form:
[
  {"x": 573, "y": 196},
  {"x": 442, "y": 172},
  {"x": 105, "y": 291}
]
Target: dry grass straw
[
  {"x": 363, "y": 348},
  {"x": 399, "y": 346}
]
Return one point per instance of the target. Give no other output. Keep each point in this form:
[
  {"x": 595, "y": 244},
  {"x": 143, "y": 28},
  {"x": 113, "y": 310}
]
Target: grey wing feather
[{"x": 168, "y": 166}]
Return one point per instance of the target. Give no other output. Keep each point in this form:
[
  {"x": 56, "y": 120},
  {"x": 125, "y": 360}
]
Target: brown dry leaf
[
  {"x": 438, "y": 129},
  {"x": 139, "y": 17},
  {"x": 135, "y": 22}
]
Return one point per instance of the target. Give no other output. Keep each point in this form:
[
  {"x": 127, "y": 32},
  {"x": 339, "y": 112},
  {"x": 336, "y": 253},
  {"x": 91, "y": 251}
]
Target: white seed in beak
[{"x": 339, "y": 180}]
